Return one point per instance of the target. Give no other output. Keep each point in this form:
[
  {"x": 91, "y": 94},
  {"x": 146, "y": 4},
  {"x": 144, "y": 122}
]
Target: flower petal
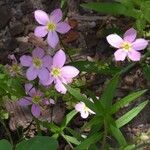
[
  {"x": 69, "y": 71},
  {"x": 114, "y": 40},
  {"x": 130, "y": 35},
  {"x": 41, "y": 17},
  {"x": 47, "y": 61},
  {"x": 52, "y": 39},
  {"x": 63, "y": 27},
  {"x": 84, "y": 114},
  {"x": 60, "y": 87},
  {"x": 59, "y": 59},
  {"x": 140, "y": 44},
  {"x": 120, "y": 55},
  {"x": 31, "y": 73},
  {"x": 43, "y": 74},
  {"x": 79, "y": 106},
  {"x": 40, "y": 31},
  {"x": 25, "y": 101},
  {"x": 134, "y": 55},
  {"x": 38, "y": 52},
  {"x": 26, "y": 60},
  {"x": 48, "y": 82},
  {"x": 35, "y": 109},
  {"x": 56, "y": 15}
]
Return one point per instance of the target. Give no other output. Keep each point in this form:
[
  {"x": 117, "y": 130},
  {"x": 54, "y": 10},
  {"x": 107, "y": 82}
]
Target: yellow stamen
[
  {"x": 126, "y": 46},
  {"x": 37, "y": 62},
  {"x": 56, "y": 72},
  {"x": 51, "y": 26}
]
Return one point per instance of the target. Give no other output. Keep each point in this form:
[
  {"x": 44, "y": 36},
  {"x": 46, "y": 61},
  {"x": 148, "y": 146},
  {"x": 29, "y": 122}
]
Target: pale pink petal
[
  {"x": 120, "y": 55},
  {"x": 84, "y": 114},
  {"x": 43, "y": 74},
  {"x": 25, "y": 101},
  {"x": 59, "y": 59},
  {"x": 69, "y": 71},
  {"x": 52, "y": 39},
  {"x": 28, "y": 87},
  {"x": 140, "y": 44},
  {"x": 79, "y": 106},
  {"x": 47, "y": 61},
  {"x": 60, "y": 87},
  {"x": 26, "y": 60},
  {"x": 90, "y": 111},
  {"x": 38, "y": 52},
  {"x": 114, "y": 40},
  {"x": 130, "y": 35},
  {"x": 63, "y": 27},
  {"x": 35, "y": 109},
  {"x": 31, "y": 73},
  {"x": 41, "y": 17},
  {"x": 56, "y": 15},
  {"x": 134, "y": 55},
  {"x": 40, "y": 31}
]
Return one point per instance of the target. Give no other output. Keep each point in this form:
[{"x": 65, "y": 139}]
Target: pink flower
[
  {"x": 129, "y": 46},
  {"x": 38, "y": 64},
  {"x": 59, "y": 73},
  {"x": 34, "y": 99},
  {"x": 83, "y": 109},
  {"x": 50, "y": 25}
]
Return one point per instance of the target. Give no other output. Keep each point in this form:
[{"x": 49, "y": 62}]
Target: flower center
[
  {"x": 36, "y": 99},
  {"x": 51, "y": 26},
  {"x": 126, "y": 46},
  {"x": 56, "y": 72},
  {"x": 37, "y": 62},
  {"x": 15, "y": 68}
]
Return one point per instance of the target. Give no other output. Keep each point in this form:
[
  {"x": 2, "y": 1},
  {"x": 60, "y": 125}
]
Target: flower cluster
[{"x": 52, "y": 70}]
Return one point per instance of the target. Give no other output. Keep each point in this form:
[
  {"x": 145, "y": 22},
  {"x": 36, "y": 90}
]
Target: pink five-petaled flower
[
  {"x": 59, "y": 73},
  {"x": 129, "y": 46},
  {"x": 83, "y": 109},
  {"x": 50, "y": 25},
  {"x": 38, "y": 64},
  {"x": 36, "y": 97}
]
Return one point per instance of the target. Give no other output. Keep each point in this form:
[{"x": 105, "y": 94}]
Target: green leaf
[
  {"x": 63, "y": 2},
  {"x": 5, "y": 145},
  {"x": 38, "y": 143},
  {"x": 126, "y": 100},
  {"x": 129, "y": 147},
  {"x": 146, "y": 71},
  {"x": 130, "y": 115},
  {"x": 109, "y": 8},
  {"x": 68, "y": 118},
  {"x": 108, "y": 94},
  {"x": 118, "y": 135},
  {"x": 90, "y": 140},
  {"x": 81, "y": 97},
  {"x": 96, "y": 67},
  {"x": 71, "y": 139}
]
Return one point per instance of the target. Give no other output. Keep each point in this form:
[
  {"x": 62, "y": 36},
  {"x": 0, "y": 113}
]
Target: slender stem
[
  {"x": 104, "y": 136},
  {"x": 38, "y": 126},
  {"x": 7, "y": 131}
]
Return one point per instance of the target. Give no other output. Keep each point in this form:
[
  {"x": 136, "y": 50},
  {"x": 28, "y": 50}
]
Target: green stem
[
  {"x": 38, "y": 126},
  {"x": 104, "y": 136},
  {"x": 7, "y": 131}
]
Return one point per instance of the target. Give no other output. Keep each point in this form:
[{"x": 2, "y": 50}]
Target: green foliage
[
  {"x": 108, "y": 94},
  {"x": 38, "y": 143},
  {"x": 130, "y": 115},
  {"x": 138, "y": 9},
  {"x": 146, "y": 71},
  {"x": 96, "y": 67},
  {"x": 5, "y": 145}
]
